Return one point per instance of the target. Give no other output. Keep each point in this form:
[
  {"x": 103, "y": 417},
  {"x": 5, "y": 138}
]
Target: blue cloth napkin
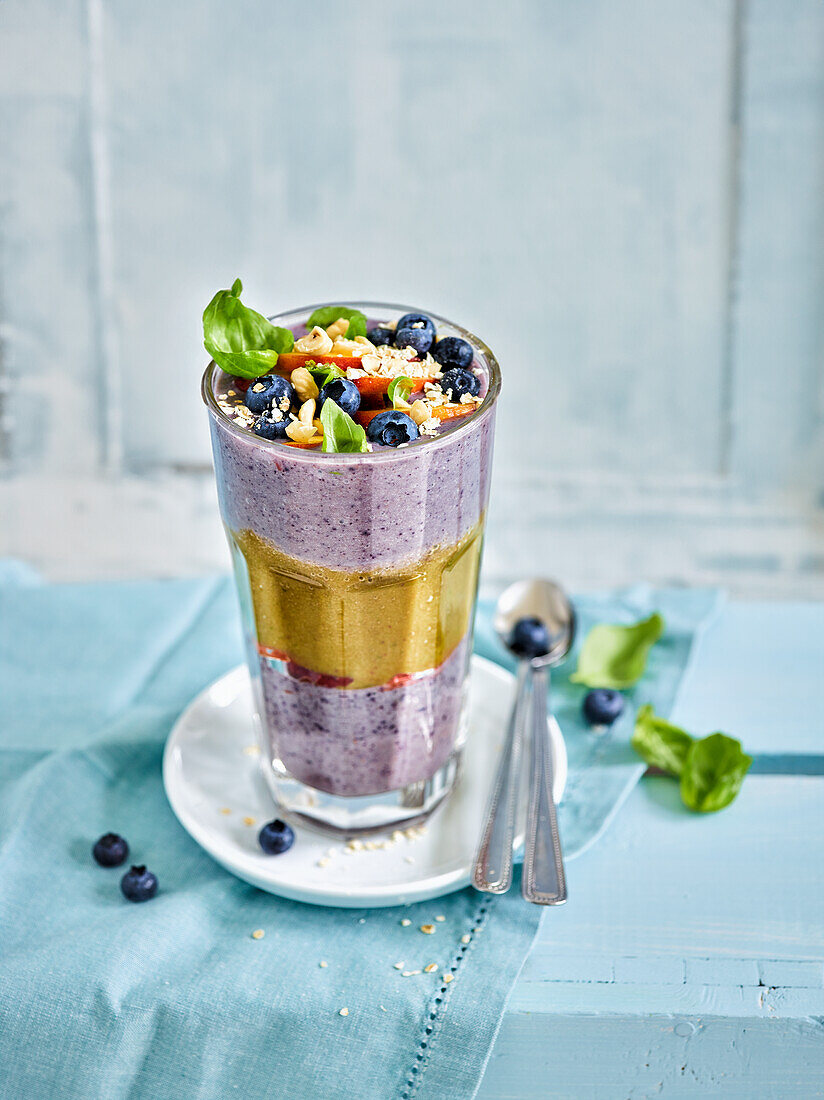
[{"x": 103, "y": 999}]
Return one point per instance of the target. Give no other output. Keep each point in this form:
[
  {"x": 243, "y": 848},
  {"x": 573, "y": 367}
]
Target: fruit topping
[
  {"x": 417, "y": 321},
  {"x": 452, "y": 351},
  {"x": 270, "y": 391},
  {"x": 271, "y": 424},
  {"x": 343, "y": 393},
  {"x": 602, "y": 706},
  {"x": 276, "y": 837},
  {"x": 419, "y": 339},
  {"x": 381, "y": 337},
  {"x": 138, "y": 884},
  {"x": 529, "y": 637},
  {"x": 111, "y": 850},
  {"x": 317, "y": 342},
  {"x": 392, "y": 428},
  {"x": 457, "y": 382}
]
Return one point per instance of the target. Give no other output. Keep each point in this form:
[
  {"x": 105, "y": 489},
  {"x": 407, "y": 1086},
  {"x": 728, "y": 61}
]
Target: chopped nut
[
  {"x": 419, "y": 411},
  {"x": 302, "y": 433},
  {"x": 344, "y": 1012},
  {"x": 440, "y": 918},
  {"x": 405, "y": 922},
  {"x": 323, "y": 964},
  {"x": 317, "y": 342},
  {"x": 322, "y": 862},
  {"x": 258, "y": 934},
  {"x": 225, "y": 810},
  {"x": 447, "y": 978},
  {"x": 410, "y": 973},
  {"x": 248, "y": 821},
  {"x": 430, "y": 968},
  {"x": 337, "y": 328},
  {"x": 466, "y": 938},
  {"x": 307, "y": 413},
  {"x": 399, "y": 965},
  {"x": 305, "y": 385},
  {"x": 427, "y": 929}
]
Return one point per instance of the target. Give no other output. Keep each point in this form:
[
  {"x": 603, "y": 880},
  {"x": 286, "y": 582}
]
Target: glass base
[{"x": 348, "y": 817}]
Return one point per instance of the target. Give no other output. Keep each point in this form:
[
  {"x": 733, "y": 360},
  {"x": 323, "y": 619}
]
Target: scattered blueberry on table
[
  {"x": 602, "y": 706},
  {"x": 392, "y": 428},
  {"x": 110, "y": 850},
  {"x": 529, "y": 637},
  {"x": 276, "y": 837},
  {"x": 138, "y": 884}
]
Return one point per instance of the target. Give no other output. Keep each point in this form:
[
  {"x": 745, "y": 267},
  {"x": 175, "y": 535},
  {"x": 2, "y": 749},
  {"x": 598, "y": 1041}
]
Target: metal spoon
[{"x": 543, "y": 880}]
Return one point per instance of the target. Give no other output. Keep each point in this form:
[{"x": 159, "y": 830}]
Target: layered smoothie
[{"x": 357, "y": 568}]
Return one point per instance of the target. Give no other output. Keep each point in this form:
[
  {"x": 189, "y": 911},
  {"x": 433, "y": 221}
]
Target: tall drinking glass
[{"x": 357, "y": 578}]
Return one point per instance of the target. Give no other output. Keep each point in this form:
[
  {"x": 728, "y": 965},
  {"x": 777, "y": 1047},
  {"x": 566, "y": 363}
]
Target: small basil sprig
[
  {"x": 324, "y": 372},
  {"x": 327, "y": 315},
  {"x": 244, "y": 343},
  {"x": 615, "y": 656},
  {"x": 341, "y": 434},
  {"x": 711, "y": 769},
  {"x": 399, "y": 392}
]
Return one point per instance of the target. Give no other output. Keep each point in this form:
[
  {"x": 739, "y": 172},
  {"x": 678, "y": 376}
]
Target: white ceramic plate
[{"x": 211, "y": 765}]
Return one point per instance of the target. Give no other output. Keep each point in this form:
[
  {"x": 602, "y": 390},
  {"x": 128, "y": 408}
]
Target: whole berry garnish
[
  {"x": 417, "y": 321},
  {"x": 457, "y": 381},
  {"x": 343, "y": 392},
  {"x": 138, "y": 884},
  {"x": 276, "y": 837},
  {"x": 110, "y": 850},
  {"x": 419, "y": 339},
  {"x": 271, "y": 424},
  {"x": 391, "y": 428},
  {"x": 270, "y": 391},
  {"x": 602, "y": 706},
  {"x": 381, "y": 337},
  {"x": 529, "y": 637},
  {"x": 452, "y": 351}
]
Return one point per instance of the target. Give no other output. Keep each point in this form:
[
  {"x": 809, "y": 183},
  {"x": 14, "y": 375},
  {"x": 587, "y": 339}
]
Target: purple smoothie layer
[
  {"x": 355, "y": 515},
  {"x": 354, "y": 743}
]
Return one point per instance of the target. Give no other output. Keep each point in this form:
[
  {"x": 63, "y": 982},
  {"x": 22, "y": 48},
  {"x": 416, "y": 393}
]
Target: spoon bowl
[{"x": 544, "y": 600}]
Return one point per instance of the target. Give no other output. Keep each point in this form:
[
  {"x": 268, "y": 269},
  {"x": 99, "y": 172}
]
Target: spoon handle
[
  {"x": 543, "y": 882},
  {"x": 493, "y": 863}
]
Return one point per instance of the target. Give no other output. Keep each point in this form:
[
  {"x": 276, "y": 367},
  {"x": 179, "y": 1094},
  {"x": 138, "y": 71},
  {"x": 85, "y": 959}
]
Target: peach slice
[{"x": 449, "y": 412}]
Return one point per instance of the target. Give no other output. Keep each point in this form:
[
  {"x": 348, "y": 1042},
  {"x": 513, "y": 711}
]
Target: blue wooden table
[{"x": 689, "y": 959}]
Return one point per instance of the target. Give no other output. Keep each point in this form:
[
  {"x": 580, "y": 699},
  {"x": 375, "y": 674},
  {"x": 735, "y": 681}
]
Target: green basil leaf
[
  {"x": 244, "y": 343},
  {"x": 713, "y": 773},
  {"x": 659, "y": 743},
  {"x": 327, "y": 315},
  {"x": 324, "y": 372},
  {"x": 614, "y": 656},
  {"x": 340, "y": 432},
  {"x": 400, "y": 390}
]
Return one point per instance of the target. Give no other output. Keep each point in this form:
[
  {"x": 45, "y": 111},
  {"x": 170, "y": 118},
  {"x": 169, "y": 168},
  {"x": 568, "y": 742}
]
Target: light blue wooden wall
[{"x": 624, "y": 198}]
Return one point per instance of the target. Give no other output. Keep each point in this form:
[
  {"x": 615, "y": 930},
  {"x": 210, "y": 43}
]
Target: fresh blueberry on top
[
  {"x": 602, "y": 706},
  {"x": 381, "y": 336},
  {"x": 459, "y": 382},
  {"x": 138, "y": 884},
  {"x": 276, "y": 837},
  {"x": 419, "y": 339},
  {"x": 452, "y": 351},
  {"x": 416, "y": 320},
  {"x": 271, "y": 425},
  {"x": 270, "y": 391},
  {"x": 391, "y": 428},
  {"x": 343, "y": 393},
  {"x": 111, "y": 850},
  {"x": 529, "y": 637}
]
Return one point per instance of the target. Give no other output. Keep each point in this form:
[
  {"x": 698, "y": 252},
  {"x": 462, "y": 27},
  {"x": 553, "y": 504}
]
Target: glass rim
[{"x": 426, "y": 444}]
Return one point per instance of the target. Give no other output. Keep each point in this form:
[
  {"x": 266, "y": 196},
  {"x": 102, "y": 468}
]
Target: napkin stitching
[{"x": 438, "y": 1007}]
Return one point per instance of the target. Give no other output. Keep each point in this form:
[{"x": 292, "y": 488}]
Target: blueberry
[
  {"x": 343, "y": 393},
  {"x": 452, "y": 351},
  {"x": 460, "y": 382},
  {"x": 602, "y": 706},
  {"x": 391, "y": 428},
  {"x": 276, "y": 837},
  {"x": 267, "y": 427},
  {"x": 273, "y": 388},
  {"x": 529, "y": 637},
  {"x": 417, "y": 321},
  {"x": 380, "y": 336},
  {"x": 419, "y": 339},
  {"x": 111, "y": 850},
  {"x": 138, "y": 884}
]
